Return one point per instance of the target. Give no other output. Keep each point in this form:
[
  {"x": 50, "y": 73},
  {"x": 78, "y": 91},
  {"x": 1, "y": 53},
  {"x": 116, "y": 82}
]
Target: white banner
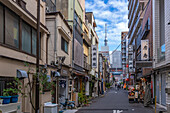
[
  {"x": 144, "y": 49},
  {"x": 94, "y": 56}
]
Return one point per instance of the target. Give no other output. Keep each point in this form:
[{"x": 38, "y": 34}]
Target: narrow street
[{"x": 115, "y": 102}]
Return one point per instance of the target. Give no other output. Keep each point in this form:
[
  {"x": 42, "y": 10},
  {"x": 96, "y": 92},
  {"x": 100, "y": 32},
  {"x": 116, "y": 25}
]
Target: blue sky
[{"x": 112, "y": 12}]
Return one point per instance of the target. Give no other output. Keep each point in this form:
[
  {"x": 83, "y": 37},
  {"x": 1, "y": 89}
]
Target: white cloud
[{"x": 115, "y": 14}]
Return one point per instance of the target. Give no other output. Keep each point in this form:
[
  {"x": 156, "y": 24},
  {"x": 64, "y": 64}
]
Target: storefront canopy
[{"x": 140, "y": 64}]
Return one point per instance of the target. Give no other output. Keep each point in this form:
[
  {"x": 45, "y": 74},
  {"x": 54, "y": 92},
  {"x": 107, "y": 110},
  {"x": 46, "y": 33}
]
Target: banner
[{"x": 144, "y": 49}]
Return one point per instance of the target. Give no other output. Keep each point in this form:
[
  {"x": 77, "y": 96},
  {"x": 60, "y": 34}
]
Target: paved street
[{"x": 115, "y": 102}]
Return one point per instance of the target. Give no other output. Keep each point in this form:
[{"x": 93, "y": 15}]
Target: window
[
  {"x": 1, "y": 24},
  {"x": 4, "y": 83},
  {"x": 11, "y": 28},
  {"x": 64, "y": 45},
  {"x": 26, "y": 37},
  {"x": 34, "y": 41},
  {"x": 162, "y": 32}
]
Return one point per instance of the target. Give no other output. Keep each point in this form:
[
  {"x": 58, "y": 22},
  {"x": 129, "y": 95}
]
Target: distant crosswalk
[{"x": 117, "y": 111}]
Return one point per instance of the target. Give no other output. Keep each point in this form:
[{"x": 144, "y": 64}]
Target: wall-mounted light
[{"x": 169, "y": 23}]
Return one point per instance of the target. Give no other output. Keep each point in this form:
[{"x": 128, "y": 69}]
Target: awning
[
  {"x": 79, "y": 73},
  {"x": 21, "y": 74},
  {"x": 140, "y": 64}
]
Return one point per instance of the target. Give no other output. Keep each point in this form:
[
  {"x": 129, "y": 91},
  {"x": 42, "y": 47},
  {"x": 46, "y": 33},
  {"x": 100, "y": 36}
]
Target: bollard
[
  {"x": 155, "y": 104},
  {"x": 168, "y": 108}
]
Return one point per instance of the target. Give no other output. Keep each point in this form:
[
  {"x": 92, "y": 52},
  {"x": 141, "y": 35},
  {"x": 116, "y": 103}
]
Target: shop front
[
  {"x": 78, "y": 85},
  {"x": 64, "y": 84}
]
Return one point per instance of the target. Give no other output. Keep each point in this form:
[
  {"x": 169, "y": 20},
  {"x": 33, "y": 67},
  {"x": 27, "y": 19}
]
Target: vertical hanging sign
[
  {"x": 94, "y": 56},
  {"x": 144, "y": 49}
]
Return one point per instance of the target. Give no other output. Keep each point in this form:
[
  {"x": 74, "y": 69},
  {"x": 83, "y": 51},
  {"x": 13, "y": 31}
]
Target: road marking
[{"x": 117, "y": 111}]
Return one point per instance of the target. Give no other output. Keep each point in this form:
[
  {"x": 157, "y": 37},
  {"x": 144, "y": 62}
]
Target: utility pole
[{"x": 37, "y": 59}]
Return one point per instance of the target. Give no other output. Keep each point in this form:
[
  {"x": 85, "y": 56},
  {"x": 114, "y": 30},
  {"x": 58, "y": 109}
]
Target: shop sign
[
  {"x": 94, "y": 56},
  {"x": 144, "y": 49}
]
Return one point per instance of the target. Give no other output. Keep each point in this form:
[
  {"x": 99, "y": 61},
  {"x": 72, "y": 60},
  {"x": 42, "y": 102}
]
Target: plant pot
[
  {"x": 6, "y": 99},
  {"x": 14, "y": 99},
  {"x": 1, "y": 101}
]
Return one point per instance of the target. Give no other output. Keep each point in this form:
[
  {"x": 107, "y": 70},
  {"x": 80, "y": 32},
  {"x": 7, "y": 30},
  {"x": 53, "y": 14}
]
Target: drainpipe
[
  {"x": 73, "y": 34},
  {"x": 55, "y": 40}
]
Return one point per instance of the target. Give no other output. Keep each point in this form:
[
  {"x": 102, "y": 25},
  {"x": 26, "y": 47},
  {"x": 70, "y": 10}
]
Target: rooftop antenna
[{"x": 105, "y": 41}]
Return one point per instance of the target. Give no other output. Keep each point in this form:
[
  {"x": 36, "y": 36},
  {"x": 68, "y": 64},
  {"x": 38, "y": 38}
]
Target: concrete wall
[
  {"x": 62, "y": 30},
  {"x": 156, "y": 41}
]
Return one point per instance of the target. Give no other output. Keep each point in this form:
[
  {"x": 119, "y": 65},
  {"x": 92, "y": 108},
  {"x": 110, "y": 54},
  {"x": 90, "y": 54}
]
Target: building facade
[
  {"x": 124, "y": 50},
  {"x": 18, "y": 37},
  {"x": 161, "y": 54}
]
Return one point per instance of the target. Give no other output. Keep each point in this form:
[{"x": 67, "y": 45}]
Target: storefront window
[
  {"x": 1, "y": 24},
  {"x": 11, "y": 28}
]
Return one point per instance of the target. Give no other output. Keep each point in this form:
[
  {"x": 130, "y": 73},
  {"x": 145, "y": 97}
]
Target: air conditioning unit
[
  {"x": 50, "y": 108},
  {"x": 47, "y": 9}
]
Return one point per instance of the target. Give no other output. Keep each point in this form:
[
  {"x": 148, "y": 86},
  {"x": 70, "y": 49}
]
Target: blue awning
[
  {"x": 21, "y": 74},
  {"x": 116, "y": 73}
]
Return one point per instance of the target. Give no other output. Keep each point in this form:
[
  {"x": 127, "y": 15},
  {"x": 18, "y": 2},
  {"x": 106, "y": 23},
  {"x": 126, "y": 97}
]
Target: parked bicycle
[{"x": 67, "y": 104}]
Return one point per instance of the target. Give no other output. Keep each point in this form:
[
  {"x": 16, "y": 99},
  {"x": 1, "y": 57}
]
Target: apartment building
[
  {"x": 18, "y": 37},
  {"x": 60, "y": 47},
  {"x": 90, "y": 20},
  {"x": 161, "y": 54},
  {"x": 124, "y": 50}
]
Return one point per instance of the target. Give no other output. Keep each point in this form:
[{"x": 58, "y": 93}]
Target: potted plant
[
  {"x": 13, "y": 92},
  {"x": 6, "y": 97},
  {"x": 1, "y": 100}
]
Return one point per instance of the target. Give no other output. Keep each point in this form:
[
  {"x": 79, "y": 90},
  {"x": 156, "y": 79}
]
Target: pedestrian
[{"x": 118, "y": 87}]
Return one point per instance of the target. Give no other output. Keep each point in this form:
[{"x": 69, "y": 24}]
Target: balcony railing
[
  {"x": 87, "y": 39},
  {"x": 86, "y": 66},
  {"x": 21, "y": 3},
  {"x": 132, "y": 11},
  {"x": 132, "y": 20},
  {"x": 135, "y": 28},
  {"x": 139, "y": 37},
  {"x": 78, "y": 27},
  {"x": 50, "y": 6}
]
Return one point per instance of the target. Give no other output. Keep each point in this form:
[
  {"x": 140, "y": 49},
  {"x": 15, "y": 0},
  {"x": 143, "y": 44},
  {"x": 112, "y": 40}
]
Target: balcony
[
  {"x": 133, "y": 11},
  {"x": 146, "y": 30},
  {"x": 132, "y": 20},
  {"x": 123, "y": 62},
  {"x": 130, "y": 7},
  {"x": 21, "y": 3},
  {"x": 124, "y": 51},
  {"x": 86, "y": 66},
  {"x": 50, "y": 6},
  {"x": 123, "y": 46},
  {"x": 139, "y": 37},
  {"x": 86, "y": 39},
  {"x": 123, "y": 57},
  {"x": 135, "y": 28}
]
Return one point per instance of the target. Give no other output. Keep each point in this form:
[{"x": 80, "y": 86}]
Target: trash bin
[{"x": 50, "y": 108}]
